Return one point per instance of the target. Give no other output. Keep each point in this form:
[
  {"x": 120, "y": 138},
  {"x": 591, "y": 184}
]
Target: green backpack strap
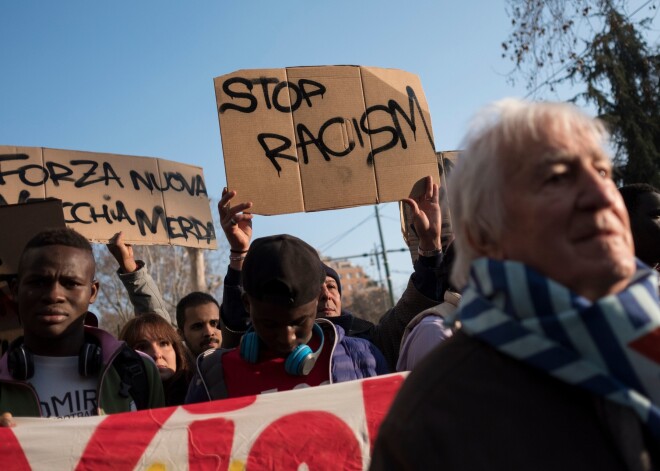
[{"x": 133, "y": 375}]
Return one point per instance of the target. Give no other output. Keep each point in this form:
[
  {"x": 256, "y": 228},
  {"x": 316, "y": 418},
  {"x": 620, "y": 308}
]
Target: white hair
[{"x": 502, "y": 132}]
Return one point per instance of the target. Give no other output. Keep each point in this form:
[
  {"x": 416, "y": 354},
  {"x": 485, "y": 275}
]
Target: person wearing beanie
[
  {"x": 286, "y": 347},
  {"x": 330, "y": 307}
]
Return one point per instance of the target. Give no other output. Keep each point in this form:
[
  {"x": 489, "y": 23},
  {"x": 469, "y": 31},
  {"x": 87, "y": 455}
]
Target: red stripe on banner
[
  {"x": 319, "y": 439},
  {"x": 378, "y": 395},
  {"x": 648, "y": 345},
  {"x": 11, "y": 454},
  {"x": 209, "y": 444},
  {"x": 124, "y": 437},
  {"x": 222, "y": 405}
]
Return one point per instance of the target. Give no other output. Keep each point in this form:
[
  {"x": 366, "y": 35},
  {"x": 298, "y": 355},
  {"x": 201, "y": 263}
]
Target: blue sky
[{"x": 136, "y": 78}]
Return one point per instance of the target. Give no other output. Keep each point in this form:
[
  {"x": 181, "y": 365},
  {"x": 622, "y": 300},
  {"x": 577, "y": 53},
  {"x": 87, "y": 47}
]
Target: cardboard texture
[
  {"x": 153, "y": 201},
  {"x": 315, "y": 138},
  {"x": 19, "y": 223},
  {"x": 445, "y": 161}
]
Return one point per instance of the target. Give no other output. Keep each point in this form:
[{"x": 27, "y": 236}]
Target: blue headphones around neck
[{"x": 298, "y": 363}]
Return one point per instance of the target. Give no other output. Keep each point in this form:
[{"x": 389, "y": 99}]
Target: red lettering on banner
[
  {"x": 11, "y": 453},
  {"x": 223, "y": 405},
  {"x": 378, "y": 395},
  {"x": 209, "y": 444},
  {"x": 319, "y": 439},
  {"x": 124, "y": 437}
]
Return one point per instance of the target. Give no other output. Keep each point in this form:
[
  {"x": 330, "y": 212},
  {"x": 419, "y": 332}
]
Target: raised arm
[
  {"x": 423, "y": 289},
  {"x": 236, "y": 223},
  {"x": 142, "y": 289}
]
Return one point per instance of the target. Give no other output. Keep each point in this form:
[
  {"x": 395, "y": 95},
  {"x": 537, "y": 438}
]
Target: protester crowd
[{"x": 532, "y": 338}]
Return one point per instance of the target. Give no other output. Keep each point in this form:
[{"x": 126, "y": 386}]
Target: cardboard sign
[
  {"x": 325, "y": 427},
  {"x": 153, "y": 201},
  {"x": 19, "y": 223},
  {"x": 314, "y": 138}
]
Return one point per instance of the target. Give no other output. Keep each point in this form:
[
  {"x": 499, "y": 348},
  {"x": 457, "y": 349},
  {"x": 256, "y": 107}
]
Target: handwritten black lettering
[
  {"x": 108, "y": 174},
  {"x": 204, "y": 231},
  {"x": 248, "y": 108},
  {"x": 136, "y": 178},
  {"x": 9, "y": 158},
  {"x": 265, "y": 81},
  {"x": 121, "y": 213},
  {"x": 75, "y": 217},
  {"x": 176, "y": 227},
  {"x": 22, "y": 172},
  {"x": 319, "y": 90},
  {"x": 157, "y": 216},
  {"x": 391, "y": 129},
  {"x": 305, "y": 89},
  {"x": 58, "y": 172},
  {"x": 390, "y": 135},
  {"x": 396, "y": 109},
  {"x": 190, "y": 226},
  {"x": 103, "y": 214},
  {"x": 23, "y": 197},
  {"x": 305, "y": 138},
  {"x": 177, "y": 182},
  {"x": 276, "y": 93},
  {"x": 201, "y": 186},
  {"x": 56, "y": 176},
  {"x": 275, "y": 153},
  {"x": 173, "y": 181}
]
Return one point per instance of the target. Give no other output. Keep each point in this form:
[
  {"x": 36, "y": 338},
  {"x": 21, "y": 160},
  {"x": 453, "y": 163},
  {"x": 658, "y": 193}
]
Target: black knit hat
[
  {"x": 282, "y": 269},
  {"x": 329, "y": 271}
]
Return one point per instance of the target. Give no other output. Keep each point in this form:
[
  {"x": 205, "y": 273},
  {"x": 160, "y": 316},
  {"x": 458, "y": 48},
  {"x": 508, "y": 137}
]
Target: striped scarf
[{"x": 610, "y": 347}]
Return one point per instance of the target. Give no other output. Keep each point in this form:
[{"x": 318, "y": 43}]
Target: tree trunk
[{"x": 197, "y": 269}]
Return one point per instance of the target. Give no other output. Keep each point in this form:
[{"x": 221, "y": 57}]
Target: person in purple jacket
[{"x": 286, "y": 347}]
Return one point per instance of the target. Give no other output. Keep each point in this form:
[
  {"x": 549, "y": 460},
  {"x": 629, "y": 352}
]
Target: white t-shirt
[{"x": 62, "y": 391}]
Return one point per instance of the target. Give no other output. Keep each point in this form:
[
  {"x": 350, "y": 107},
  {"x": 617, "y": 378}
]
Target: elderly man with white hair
[{"x": 557, "y": 363}]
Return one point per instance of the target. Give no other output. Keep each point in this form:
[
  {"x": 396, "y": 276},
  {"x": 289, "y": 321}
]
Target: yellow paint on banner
[{"x": 236, "y": 465}]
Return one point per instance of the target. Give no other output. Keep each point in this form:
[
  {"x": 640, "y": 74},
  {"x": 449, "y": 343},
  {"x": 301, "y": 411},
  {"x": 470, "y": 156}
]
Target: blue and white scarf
[{"x": 610, "y": 347}]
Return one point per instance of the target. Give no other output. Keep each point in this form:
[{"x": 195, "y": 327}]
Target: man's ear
[
  {"x": 484, "y": 244},
  {"x": 95, "y": 291}
]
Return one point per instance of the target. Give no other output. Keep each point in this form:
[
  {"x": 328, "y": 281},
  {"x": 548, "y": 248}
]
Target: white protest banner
[
  {"x": 325, "y": 427},
  {"x": 153, "y": 201}
]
